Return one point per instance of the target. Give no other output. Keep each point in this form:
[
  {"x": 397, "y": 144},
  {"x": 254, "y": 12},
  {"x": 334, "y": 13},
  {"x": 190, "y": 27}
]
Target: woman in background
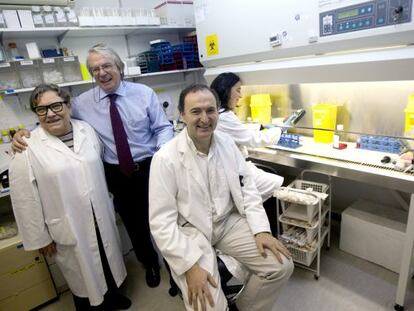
[
  {"x": 228, "y": 87},
  {"x": 62, "y": 205}
]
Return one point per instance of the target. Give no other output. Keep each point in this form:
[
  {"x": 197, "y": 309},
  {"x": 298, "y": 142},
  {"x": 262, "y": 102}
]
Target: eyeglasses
[
  {"x": 105, "y": 67},
  {"x": 55, "y": 107}
]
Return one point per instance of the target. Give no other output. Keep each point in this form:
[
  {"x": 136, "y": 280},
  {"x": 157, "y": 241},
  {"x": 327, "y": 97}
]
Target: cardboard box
[{"x": 374, "y": 232}]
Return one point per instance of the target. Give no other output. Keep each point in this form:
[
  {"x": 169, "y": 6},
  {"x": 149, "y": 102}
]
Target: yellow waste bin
[
  {"x": 324, "y": 117},
  {"x": 261, "y": 108},
  {"x": 409, "y": 116}
]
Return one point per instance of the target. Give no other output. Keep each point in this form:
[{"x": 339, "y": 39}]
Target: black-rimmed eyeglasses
[{"x": 55, "y": 107}]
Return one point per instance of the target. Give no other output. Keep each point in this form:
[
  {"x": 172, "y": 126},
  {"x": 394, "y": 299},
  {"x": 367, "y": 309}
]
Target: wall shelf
[
  {"x": 152, "y": 74},
  {"x": 68, "y": 32}
]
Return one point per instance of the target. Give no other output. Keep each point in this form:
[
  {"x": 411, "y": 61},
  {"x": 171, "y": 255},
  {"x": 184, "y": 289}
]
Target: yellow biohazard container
[
  {"x": 324, "y": 117},
  {"x": 261, "y": 108},
  {"x": 409, "y": 116},
  {"x": 85, "y": 72}
]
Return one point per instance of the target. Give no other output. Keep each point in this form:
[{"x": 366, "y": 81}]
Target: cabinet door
[{"x": 25, "y": 280}]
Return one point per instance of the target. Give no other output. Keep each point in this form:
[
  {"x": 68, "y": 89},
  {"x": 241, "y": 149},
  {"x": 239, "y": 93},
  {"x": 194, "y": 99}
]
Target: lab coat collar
[
  {"x": 187, "y": 158},
  {"x": 54, "y": 142}
]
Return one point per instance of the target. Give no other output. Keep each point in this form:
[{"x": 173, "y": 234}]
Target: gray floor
[{"x": 347, "y": 283}]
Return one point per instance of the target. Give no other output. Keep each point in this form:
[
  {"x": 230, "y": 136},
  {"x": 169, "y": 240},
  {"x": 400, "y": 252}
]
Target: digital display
[{"x": 347, "y": 14}]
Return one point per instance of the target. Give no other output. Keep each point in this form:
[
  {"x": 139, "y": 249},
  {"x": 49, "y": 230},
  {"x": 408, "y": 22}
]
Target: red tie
[{"x": 125, "y": 159}]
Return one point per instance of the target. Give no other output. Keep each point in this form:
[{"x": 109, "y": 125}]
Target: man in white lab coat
[
  {"x": 62, "y": 205},
  {"x": 202, "y": 198}
]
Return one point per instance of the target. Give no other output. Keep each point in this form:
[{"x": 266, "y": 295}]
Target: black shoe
[
  {"x": 173, "y": 291},
  {"x": 152, "y": 276},
  {"x": 116, "y": 301}
]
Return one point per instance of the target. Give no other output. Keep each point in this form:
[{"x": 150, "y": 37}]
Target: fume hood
[{"x": 307, "y": 41}]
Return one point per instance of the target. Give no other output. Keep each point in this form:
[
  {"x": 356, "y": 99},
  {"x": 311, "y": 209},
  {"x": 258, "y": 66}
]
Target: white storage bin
[
  {"x": 302, "y": 256},
  {"x": 311, "y": 229},
  {"x": 188, "y": 8},
  {"x": 172, "y": 12},
  {"x": 374, "y": 232},
  {"x": 51, "y": 72},
  {"x": 9, "y": 79},
  {"x": 11, "y": 19},
  {"x": 2, "y": 20},
  {"x": 29, "y": 73},
  {"x": 70, "y": 68},
  {"x": 306, "y": 255},
  {"x": 305, "y": 185},
  {"x": 299, "y": 211}
]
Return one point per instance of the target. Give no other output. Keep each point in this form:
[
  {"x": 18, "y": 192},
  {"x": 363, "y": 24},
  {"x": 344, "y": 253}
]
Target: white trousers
[
  {"x": 234, "y": 238},
  {"x": 266, "y": 182}
]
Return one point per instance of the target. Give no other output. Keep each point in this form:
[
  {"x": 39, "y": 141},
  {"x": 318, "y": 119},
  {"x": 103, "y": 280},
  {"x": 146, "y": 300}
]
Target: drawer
[
  {"x": 22, "y": 277},
  {"x": 29, "y": 298},
  {"x": 15, "y": 256}
]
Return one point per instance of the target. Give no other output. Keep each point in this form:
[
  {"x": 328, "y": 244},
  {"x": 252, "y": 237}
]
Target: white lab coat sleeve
[
  {"x": 253, "y": 207},
  {"x": 180, "y": 251},
  {"x": 26, "y": 204},
  {"x": 242, "y": 135}
]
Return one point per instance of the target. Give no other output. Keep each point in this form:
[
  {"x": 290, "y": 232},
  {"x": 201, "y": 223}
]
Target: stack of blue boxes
[
  {"x": 379, "y": 143},
  {"x": 165, "y": 55},
  {"x": 187, "y": 52}
]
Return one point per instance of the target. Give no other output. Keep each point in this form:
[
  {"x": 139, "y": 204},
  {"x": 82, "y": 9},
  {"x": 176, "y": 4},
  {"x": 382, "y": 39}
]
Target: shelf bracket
[{"x": 62, "y": 36}]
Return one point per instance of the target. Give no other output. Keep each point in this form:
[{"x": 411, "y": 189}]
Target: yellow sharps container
[
  {"x": 324, "y": 117},
  {"x": 409, "y": 116},
  {"x": 261, "y": 108}
]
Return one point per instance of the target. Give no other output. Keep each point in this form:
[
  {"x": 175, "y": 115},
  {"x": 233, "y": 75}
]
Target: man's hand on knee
[
  {"x": 266, "y": 240},
  {"x": 198, "y": 281},
  {"x": 18, "y": 143}
]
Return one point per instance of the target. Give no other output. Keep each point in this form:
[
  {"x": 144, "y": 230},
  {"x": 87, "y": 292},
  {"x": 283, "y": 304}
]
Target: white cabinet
[{"x": 25, "y": 281}]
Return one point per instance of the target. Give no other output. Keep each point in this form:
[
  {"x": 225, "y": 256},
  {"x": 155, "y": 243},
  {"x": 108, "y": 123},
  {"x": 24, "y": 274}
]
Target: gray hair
[{"x": 103, "y": 49}]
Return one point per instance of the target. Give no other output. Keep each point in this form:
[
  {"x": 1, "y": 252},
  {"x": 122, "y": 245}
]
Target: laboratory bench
[{"x": 351, "y": 164}]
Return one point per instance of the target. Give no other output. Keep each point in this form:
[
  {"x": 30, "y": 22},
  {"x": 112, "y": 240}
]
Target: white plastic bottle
[
  {"x": 337, "y": 136},
  {"x": 48, "y": 16},
  {"x": 71, "y": 17},
  {"x": 37, "y": 16},
  {"x": 60, "y": 17}
]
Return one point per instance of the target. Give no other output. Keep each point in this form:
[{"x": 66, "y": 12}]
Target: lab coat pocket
[{"x": 61, "y": 231}]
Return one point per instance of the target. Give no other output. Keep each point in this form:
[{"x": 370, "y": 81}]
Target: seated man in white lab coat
[{"x": 202, "y": 198}]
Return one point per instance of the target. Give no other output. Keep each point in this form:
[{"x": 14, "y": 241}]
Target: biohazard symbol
[{"x": 212, "y": 45}]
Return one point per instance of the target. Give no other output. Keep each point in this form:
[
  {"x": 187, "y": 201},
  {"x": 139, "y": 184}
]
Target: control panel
[{"x": 365, "y": 15}]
